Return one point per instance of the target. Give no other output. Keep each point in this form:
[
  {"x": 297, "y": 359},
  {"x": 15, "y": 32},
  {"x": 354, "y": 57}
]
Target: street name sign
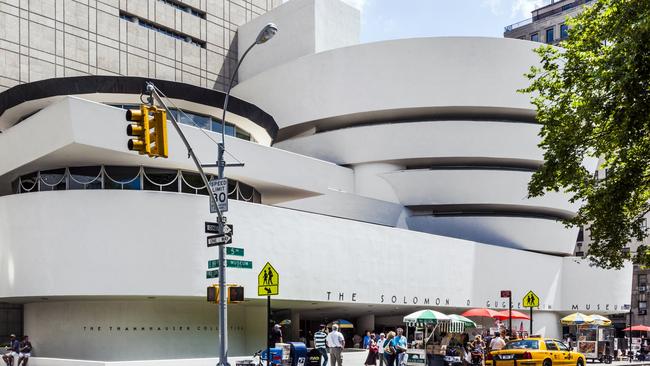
[
  {"x": 219, "y": 188},
  {"x": 530, "y": 300},
  {"x": 268, "y": 281},
  {"x": 212, "y": 274},
  {"x": 213, "y": 228},
  {"x": 232, "y": 263},
  {"x": 239, "y": 252},
  {"x": 214, "y": 240}
]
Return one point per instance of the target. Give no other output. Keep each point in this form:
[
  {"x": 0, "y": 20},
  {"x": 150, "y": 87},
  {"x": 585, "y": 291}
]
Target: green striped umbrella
[
  {"x": 461, "y": 319},
  {"x": 425, "y": 317}
]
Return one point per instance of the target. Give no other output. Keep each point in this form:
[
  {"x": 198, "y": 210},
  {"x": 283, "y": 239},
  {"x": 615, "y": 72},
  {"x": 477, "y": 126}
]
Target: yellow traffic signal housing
[
  {"x": 159, "y": 135},
  {"x": 235, "y": 294},
  {"x": 150, "y": 134},
  {"x": 213, "y": 293},
  {"x": 139, "y": 130}
]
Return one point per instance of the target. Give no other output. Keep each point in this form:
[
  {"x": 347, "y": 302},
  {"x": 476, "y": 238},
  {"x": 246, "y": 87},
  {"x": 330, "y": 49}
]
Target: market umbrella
[
  {"x": 343, "y": 324},
  {"x": 503, "y": 315},
  {"x": 601, "y": 320},
  {"x": 467, "y": 323},
  {"x": 425, "y": 317},
  {"x": 481, "y": 312},
  {"x": 640, "y": 328},
  {"x": 285, "y": 322},
  {"x": 576, "y": 319}
]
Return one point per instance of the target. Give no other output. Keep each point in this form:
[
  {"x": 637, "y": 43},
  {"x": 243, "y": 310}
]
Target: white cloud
[
  {"x": 522, "y": 8},
  {"x": 359, "y": 4},
  {"x": 493, "y": 5}
]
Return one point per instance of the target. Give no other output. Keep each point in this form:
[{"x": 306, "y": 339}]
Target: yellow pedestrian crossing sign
[
  {"x": 530, "y": 300},
  {"x": 268, "y": 281}
]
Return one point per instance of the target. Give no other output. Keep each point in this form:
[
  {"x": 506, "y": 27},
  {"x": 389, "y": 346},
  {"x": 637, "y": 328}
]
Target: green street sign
[
  {"x": 232, "y": 263},
  {"x": 236, "y": 263},
  {"x": 235, "y": 251},
  {"x": 212, "y": 274}
]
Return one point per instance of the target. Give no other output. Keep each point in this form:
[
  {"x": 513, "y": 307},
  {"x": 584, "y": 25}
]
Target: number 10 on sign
[{"x": 219, "y": 188}]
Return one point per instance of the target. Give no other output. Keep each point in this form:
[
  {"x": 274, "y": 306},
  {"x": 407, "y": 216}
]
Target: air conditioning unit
[
  {"x": 643, "y": 311},
  {"x": 643, "y": 288}
]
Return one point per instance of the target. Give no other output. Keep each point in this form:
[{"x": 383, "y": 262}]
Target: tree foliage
[{"x": 593, "y": 101}]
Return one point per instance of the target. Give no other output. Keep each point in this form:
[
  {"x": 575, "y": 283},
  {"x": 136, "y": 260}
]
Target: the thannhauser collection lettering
[
  {"x": 445, "y": 301},
  {"x": 166, "y": 328}
]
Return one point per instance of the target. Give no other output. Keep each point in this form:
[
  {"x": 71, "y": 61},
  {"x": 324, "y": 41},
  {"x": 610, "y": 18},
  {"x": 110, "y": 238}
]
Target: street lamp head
[{"x": 266, "y": 33}]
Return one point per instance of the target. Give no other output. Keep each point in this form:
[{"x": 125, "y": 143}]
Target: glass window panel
[
  {"x": 53, "y": 180},
  {"x": 85, "y": 177},
  {"x": 14, "y": 186},
  {"x": 564, "y": 31},
  {"x": 550, "y": 345},
  {"x": 230, "y": 129},
  {"x": 534, "y": 37},
  {"x": 243, "y": 135},
  {"x": 160, "y": 180},
  {"x": 202, "y": 121},
  {"x": 122, "y": 177},
  {"x": 191, "y": 180},
  {"x": 549, "y": 35},
  {"x": 215, "y": 125}
]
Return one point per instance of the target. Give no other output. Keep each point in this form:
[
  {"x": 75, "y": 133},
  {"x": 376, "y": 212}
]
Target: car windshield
[{"x": 523, "y": 344}]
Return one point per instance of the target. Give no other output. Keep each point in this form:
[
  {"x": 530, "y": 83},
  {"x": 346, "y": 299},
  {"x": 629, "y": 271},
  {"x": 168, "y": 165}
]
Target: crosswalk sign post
[
  {"x": 531, "y": 300},
  {"x": 268, "y": 283}
]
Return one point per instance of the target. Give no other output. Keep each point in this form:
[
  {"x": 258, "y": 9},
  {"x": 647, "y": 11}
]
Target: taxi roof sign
[
  {"x": 268, "y": 281},
  {"x": 530, "y": 300}
]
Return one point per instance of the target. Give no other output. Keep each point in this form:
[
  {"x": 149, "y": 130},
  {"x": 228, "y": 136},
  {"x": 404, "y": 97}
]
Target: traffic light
[
  {"x": 159, "y": 135},
  {"x": 213, "y": 293},
  {"x": 150, "y": 134},
  {"x": 139, "y": 130},
  {"x": 235, "y": 294}
]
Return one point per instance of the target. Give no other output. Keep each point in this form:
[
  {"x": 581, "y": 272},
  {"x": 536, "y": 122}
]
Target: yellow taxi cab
[{"x": 535, "y": 351}]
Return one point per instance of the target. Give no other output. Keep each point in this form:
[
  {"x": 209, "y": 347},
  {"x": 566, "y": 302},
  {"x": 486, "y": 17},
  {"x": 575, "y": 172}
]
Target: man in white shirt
[
  {"x": 497, "y": 342},
  {"x": 380, "y": 345},
  {"x": 336, "y": 343}
]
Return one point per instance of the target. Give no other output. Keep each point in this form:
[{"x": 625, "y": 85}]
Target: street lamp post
[{"x": 265, "y": 34}]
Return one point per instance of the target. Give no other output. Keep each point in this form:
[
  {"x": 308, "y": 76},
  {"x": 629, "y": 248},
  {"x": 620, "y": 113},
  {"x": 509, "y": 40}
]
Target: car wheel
[
  {"x": 580, "y": 362},
  {"x": 547, "y": 362}
]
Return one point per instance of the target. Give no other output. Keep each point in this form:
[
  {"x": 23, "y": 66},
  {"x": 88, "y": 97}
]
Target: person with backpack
[{"x": 390, "y": 353}]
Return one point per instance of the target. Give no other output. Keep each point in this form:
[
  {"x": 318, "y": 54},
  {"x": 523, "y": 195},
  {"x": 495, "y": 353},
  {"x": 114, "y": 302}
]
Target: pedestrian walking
[
  {"x": 373, "y": 351},
  {"x": 380, "y": 348},
  {"x": 389, "y": 349},
  {"x": 276, "y": 335},
  {"x": 336, "y": 343},
  {"x": 366, "y": 340},
  {"x": 320, "y": 344},
  {"x": 399, "y": 342},
  {"x": 497, "y": 342}
]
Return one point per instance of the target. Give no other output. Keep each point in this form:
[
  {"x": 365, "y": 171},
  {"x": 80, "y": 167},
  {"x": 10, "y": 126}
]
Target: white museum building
[{"x": 379, "y": 179}]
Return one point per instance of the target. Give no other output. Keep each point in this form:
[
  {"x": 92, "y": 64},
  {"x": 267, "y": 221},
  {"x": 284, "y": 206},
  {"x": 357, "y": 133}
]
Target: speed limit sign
[{"x": 219, "y": 188}]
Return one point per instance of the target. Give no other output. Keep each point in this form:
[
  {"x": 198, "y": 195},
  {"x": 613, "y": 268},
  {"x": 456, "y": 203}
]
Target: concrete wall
[
  {"x": 46, "y": 39},
  {"x": 305, "y": 27}
]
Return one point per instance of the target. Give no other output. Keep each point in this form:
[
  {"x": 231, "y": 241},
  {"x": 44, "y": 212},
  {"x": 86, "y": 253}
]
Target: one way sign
[
  {"x": 213, "y": 228},
  {"x": 214, "y": 240}
]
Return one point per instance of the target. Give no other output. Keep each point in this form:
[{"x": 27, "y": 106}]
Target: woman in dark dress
[{"x": 373, "y": 350}]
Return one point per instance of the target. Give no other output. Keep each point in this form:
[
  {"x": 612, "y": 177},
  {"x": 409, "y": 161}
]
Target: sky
[{"x": 392, "y": 19}]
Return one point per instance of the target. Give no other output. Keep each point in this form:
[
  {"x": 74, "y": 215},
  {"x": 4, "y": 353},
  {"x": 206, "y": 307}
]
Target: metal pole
[
  {"x": 510, "y": 312},
  {"x": 630, "y": 334},
  {"x": 531, "y": 322},
  {"x": 268, "y": 330}
]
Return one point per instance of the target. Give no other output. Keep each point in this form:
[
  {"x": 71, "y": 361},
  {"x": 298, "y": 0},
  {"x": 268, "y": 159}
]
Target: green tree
[{"x": 593, "y": 101}]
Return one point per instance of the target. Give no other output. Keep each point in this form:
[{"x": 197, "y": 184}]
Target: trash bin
[
  {"x": 276, "y": 356},
  {"x": 298, "y": 354},
  {"x": 314, "y": 357}
]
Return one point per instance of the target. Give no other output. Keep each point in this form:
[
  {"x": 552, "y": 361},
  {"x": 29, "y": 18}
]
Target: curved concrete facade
[{"x": 452, "y": 107}]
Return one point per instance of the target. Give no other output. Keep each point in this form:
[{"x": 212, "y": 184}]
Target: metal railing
[{"x": 518, "y": 24}]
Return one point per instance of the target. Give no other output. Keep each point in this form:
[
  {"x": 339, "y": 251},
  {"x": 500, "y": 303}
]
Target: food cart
[
  {"x": 426, "y": 349},
  {"x": 595, "y": 338}
]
